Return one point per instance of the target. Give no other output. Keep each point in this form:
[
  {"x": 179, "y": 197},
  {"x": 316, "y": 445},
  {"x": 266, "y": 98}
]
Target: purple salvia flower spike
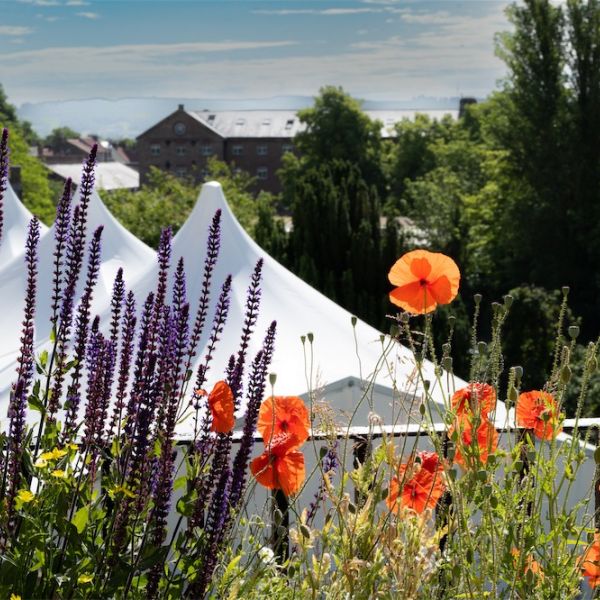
[
  {"x": 212, "y": 252},
  {"x": 4, "y": 153},
  {"x": 18, "y": 401},
  {"x": 82, "y": 320},
  {"x": 61, "y": 236},
  {"x": 129, "y": 323},
  {"x": 250, "y": 317},
  {"x": 255, "y": 395}
]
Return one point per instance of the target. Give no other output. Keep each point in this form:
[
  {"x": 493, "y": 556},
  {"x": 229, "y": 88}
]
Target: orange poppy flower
[
  {"x": 475, "y": 399},
  {"x": 530, "y": 563},
  {"x": 283, "y": 414},
  {"x": 220, "y": 402},
  {"x": 466, "y": 454},
  {"x": 424, "y": 279},
  {"x": 538, "y": 411},
  {"x": 417, "y": 487},
  {"x": 589, "y": 563},
  {"x": 280, "y": 466}
]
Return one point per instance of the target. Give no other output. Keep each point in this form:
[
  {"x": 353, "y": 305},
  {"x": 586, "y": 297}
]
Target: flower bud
[
  {"x": 447, "y": 363},
  {"x": 508, "y": 300},
  {"x": 573, "y": 331},
  {"x": 513, "y": 394},
  {"x": 565, "y": 290},
  {"x": 353, "y": 320},
  {"x": 481, "y": 347},
  {"x": 565, "y": 374},
  {"x": 272, "y": 378},
  {"x": 310, "y": 337},
  {"x": 477, "y": 298}
]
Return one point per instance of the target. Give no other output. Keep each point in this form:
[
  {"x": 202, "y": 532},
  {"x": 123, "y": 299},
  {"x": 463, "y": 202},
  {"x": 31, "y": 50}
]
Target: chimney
[
  {"x": 462, "y": 107},
  {"x": 180, "y": 107}
]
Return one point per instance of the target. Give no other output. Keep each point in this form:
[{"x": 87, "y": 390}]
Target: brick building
[{"x": 250, "y": 140}]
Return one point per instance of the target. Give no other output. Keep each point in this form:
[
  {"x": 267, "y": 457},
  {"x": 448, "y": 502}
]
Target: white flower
[{"x": 266, "y": 555}]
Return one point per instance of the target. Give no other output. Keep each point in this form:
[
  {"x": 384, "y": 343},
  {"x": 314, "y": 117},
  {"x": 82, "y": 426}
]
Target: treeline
[{"x": 511, "y": 190}]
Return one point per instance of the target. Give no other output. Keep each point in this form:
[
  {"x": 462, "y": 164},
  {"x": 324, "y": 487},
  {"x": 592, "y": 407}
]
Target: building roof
[
  {"x": 109, "y": 175},
  {"x": 286, "y": 124}
]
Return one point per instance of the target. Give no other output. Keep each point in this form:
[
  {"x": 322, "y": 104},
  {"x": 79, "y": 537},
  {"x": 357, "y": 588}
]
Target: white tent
[
  {"x": 14, "y": 230},
  {"x": 120, "y": 248},
  {"x": 349, "y": 367}
]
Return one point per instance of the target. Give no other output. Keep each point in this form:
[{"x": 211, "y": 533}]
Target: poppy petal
[
  {"x": 413, "y": 298},
  {"x": 283, "y": 415},
  {"x": 291, "y": 472},
  {"x": 221, "y": 404},
  {"x": 263, "y": 470}
]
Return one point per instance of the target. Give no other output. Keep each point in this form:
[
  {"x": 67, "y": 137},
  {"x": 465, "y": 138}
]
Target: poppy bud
[
  {"x": 482, "y": 475},
  {"x": 477, "y": 298},
  {"x": 303, "y": 339},
  {"x": 565, "y": 290},
  {"x": 487, "y": 490},
  {"x": 494, "y": 502},
  {"x": 353, "y": 320},
  {"x": 272, "y": 378},
  {"x": 422, "y": 410},
  {"x": 310, "y": 337},
  {"x": 513, "y": 394},
  {"x": 518, "y": 372},
  {"x": 394, "y": 330},
  {"x": 565, "y": 374},
  {"x": 447, "y": 363},
  {"x": 305, "y": 531},
  {"x": 481, "y": 347},
  {"x": 451, "y": 320},
  {"x": 508, "y": 300},
  {"x": 573, "y": 331},
  {"x": 450, "y": 453},
  {"x": 518, "y": 465},
  {"x": 381, "y": 338},
  {"x": 351, "y": 508},
  {"x": 426, "y": 384}
]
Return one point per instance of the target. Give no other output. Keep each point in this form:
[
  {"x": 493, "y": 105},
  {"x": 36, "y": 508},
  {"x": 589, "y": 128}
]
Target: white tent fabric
[
  {"x": 339, "y": 361},
  {"x": 120, "y": 248},
  {"x": 14, "y": 230}
]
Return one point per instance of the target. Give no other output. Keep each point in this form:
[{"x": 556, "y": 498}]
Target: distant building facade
[
  {"x": 251, "y": 140},
  {"x": 76, "y": 150}
]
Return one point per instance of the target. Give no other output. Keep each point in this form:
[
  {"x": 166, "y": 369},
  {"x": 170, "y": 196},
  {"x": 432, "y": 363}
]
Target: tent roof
[
  {"x": 109, "y": 175},
  {"x": 14, "y": 230},
  {"x": 120, "y": 248}
]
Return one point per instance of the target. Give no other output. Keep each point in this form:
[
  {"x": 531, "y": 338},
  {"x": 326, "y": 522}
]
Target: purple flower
[
  {"x": 18, "y": 401},
  {"x": 82, "y": 320},
  {"x": 3, "y": 174},
  {"x": 61, "y": 237}
]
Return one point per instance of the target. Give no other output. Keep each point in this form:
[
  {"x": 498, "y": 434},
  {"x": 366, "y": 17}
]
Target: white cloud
[
  {"x": 15, "y": 30},
  {"x": 329, "y": 12},
  {"x": 88, "y": 15},
  {"x": 76, "y": 3},
  {"x": 47, "y": 18},
  {"x": 41, "y": 2}
]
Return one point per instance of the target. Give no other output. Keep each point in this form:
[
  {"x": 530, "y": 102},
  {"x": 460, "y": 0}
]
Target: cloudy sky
[{"x": 375, "y": 49}]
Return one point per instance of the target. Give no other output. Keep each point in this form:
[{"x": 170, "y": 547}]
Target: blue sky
[{"x": 375, "y": 49}]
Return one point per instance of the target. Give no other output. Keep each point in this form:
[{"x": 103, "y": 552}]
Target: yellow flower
[
  {"x": 25, "y": 496},
  {"x": 86, "y": 578},
  {"x": 73, "y": 446},
  {"x": 120, "y": 489},
  {"x": 15, "y": 597},
  {"x": 58, "y": 473},
  {"x": 54, "y": 454},
  {"x": 40, "y": 463}
]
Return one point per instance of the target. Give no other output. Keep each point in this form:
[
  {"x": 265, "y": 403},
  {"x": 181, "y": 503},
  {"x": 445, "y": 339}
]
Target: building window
[
  {"x": 240, "y": 121},
  {"x": 287, "y": 148},
  {"x": 181, "y": 171},
  {"x": 204, "y": 174},
  {"x": 262, "y": 173},
  {"x": 206, "y": 150},
  {"x": 262, "y": 150},
  {"x": 266, "y": 121},
  {"x": 155, "y": 149},
  {"x": 237, "y": 150},
  {"x": 289, "y": 123},
  {"x": 181, "y": 150}
]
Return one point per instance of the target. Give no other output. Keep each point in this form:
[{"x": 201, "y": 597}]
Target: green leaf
[
  {"x": 81, "y": 518},
  {"x": 36, "y": 404}
]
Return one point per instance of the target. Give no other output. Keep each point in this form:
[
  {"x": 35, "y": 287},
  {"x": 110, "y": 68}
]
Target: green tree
[
  {"x": 338, "y": 130},
  {"x": 38, "y": 192},
  {"x": 60, "y": 135}
]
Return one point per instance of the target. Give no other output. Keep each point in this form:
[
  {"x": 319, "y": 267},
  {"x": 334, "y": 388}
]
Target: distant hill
[{"x": 128, "y": 117}]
